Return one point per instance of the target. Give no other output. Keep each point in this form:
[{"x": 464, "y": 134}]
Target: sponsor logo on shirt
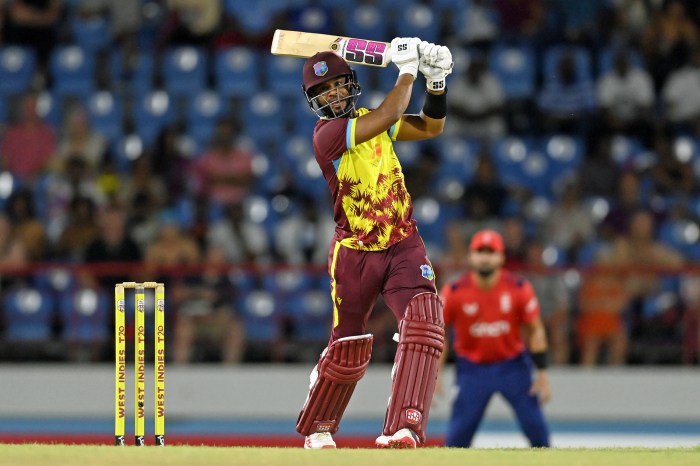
[
  {"x": 470, "y": 308},
  {"x": 490, "y": 329},
  {"x": 506, "y": 303}
]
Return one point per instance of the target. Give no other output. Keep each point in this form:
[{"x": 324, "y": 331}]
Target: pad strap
[
  {"x": 421, "y": 341},
  {"x": 333, "y": 381}
]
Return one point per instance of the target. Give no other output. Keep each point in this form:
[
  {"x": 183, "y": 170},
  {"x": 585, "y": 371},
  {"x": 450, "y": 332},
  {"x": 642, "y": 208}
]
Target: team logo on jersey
[
  {"x": 321, "y": 68},
  {"x": 506, "y": 303},
  {"x": 413, "y": 416},
  {"x": 426, "y": 271},
  {"x": 470, "y": 308}
]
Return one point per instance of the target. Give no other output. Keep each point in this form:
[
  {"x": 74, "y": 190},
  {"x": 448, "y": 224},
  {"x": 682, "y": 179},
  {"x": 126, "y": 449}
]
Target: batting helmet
[{"x": 324, "y": 66}]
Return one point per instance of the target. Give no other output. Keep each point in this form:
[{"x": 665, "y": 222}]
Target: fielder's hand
[
  {"x": 404, "y": 54},
  {"x": 435, "y": 64}
]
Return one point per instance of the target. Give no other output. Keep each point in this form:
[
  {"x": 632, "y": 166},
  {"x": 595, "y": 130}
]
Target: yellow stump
[
  {"x": 159, "y": 365},
  {"x": 120, "y": 365},
  {"x": 140, "y": 367}
]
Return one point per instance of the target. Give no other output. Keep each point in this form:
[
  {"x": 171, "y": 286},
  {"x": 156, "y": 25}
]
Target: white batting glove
[
  {"x": 404, "y": 54},
  {"x": 435, "y": 64}
]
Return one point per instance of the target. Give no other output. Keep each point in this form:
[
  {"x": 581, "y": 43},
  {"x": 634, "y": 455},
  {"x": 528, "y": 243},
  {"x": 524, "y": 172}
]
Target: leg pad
[
  {"x": 333, "y": 381},
  {"x": 421, "y": 341}
]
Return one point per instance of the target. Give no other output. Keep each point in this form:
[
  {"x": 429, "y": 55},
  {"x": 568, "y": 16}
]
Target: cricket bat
[{"x": 353, "y": 50}]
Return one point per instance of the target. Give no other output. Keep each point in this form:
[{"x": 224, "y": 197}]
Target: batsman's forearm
[{"x": 397, "y": 100}]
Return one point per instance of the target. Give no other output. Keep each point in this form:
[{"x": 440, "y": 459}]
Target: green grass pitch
[{"x": 29, "y": 454}]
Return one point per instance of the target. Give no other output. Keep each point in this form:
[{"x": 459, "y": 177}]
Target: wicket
[{"x": 139, "y": 362}]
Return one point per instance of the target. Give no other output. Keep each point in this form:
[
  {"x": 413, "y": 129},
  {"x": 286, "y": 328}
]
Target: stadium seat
[
  {"x": 366, "y": 21},
  {"x": 125, "y": 150},
  {"x": 607, "y": 55},
  {"x": 73, "y": 71},
  {"x": 92, "y": 34},
  {"x": 261, "y": 316},
  {"x": 151, "y": 113},
  {"x": 264, "y": 118},
  {"x": 204, "y": 110},
  {"x": 515, "y": 67},
  {"x": 283, "y": 75},
  {"x": 184, "y": 71},
  {"x": 254, "y": 17},
  {"x": 311, "y": 316},
  {"x": 564, "y": 154},
  {"x": 85, "y": 315},
  {"x": 106, "y": 114},
  {"x": 236, "y": 72},
  {"x": 432, "y": 217},
  {"x": 509, "y": 155},
  {"x": 418, "y": 20},
  {"x": 135, "y": 73},
  {"x": 582, "y": 58},
  {"x": 28, "y": 315},
  {"x": 17, "y": 66},
  {"x": 458, "y": 157}
]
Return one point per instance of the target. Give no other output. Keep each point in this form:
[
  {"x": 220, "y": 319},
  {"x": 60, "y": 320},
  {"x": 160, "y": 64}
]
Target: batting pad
[
  {"x": 421, "y": 341},
  {"x": 333, "y": 381}
]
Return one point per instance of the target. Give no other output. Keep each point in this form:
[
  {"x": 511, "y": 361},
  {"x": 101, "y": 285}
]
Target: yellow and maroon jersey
[{"x": 371, "y": 205}]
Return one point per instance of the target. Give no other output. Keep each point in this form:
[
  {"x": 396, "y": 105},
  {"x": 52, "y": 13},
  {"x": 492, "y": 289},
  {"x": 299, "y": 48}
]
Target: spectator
[
  {"x": 206, "y": 317},
  {"x": 598, "y": 174},
  {"x": 241, "y": 239},
  {"x": 80, "y": 231},
  {"x": 569, "y": 225},
  {"x": 71, "y": 180},
  {"x": 555, "y": 302},
  {"x": 600, "y": 326},
  {"x": 79, "y": 139},
  {"x": 515, "y": 239},
  {"x": 485, "y": 197},
  {"x": 302, "y": 237},
  {"x": 629, "y": 198},
  {"x": 226, "y": 169},
  {"x": 681, "y": 99},
  {"x": 33, "y": 23},
  {"x": 115, "y": 254},
  {"x": 143, "y": 181},
  {"x": 667, "y": 41},
  {"x": 520, "y": 18},
  {"x": 26, "y": 227},
  {"x": 626, "y": 98},
  {"x": 479, "y": 25},
  {"x": 670, "y": 175},
  {"x": 12, "y": 253},
  {"x": 28, "y": 145},
  {"x": 191, "y": 22},
  {"x": 477, "y": 107},
  {"x": 567, "y": 103},
  {"x": 173, "y": 162}
]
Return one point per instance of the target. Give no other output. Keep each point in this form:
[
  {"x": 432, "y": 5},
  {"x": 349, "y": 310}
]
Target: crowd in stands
[{"x": 146, "y": 139}]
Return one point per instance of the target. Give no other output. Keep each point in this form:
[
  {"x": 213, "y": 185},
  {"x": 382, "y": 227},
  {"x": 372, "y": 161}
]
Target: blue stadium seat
[
  {"x": 107, "y": 114},
  {"x": 283, "y": 75},
  {"x": 564, "y": 153},
  {"x": 261, "y": 315},
  {"x": 151, "y": 113},
  {"x": 509, "y": 155},
  {"x": 137, "y": 76},
  {"x": 236, "y": 72},
  {"x": 515, "y": 67},
  {"x": 607, "y": 56},
  {"x": 184, "y": 71},
  {"x": 92, "y": 34},
  {"x": 204, "y": 110},
  {"x": 681, "y": 235},
  {"x": 458, "y": 157},
  {"x": 254, "y": 17},
  {"x": 28, "y": 315},
  {"x": 626, "y": 151},
  {"x": 73, "y": 71},
  {"x": 85, "y": 315},
  {"x": 17, "y": 65},
  {"x": 366, "y": 21},
  {"x": 55, "y": 280},
  {"x": 125, "y": 150},
  {"x": 50, "y": 108},
  {"x": 311, "y": 316},
  {"x": 285, "y": 284},
  {"x": 264, "y": 117},
  {"x": 582, "y": 59},
  {"x": 303, "y": 118},
  {"x": 432, "y": 218},
  {"x": 418, "y": 20}
]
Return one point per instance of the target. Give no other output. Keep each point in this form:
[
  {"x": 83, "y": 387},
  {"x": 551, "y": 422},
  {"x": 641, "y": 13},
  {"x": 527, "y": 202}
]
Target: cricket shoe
[
  {"x": 382, "y": 441},
  {"x": 404, "y": 438},
  {"x": 319, "y": 440}
]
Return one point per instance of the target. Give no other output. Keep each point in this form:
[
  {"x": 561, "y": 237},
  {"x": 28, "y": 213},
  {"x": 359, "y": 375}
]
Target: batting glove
[
  {"x": 404, "y": 54},
  {"x": 435, "y": 64}
]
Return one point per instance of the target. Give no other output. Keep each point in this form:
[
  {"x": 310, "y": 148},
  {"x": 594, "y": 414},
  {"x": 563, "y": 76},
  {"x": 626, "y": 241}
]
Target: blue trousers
[{"x": 477, "y": 383}]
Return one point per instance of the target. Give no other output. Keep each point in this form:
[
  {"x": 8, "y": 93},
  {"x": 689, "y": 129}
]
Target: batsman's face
[
  {"x": 333, "y": 92},
  {"x": 485, "y": 260}
]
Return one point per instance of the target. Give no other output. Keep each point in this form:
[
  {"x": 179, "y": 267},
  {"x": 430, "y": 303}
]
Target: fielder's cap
[
  {"x": 323, "y": 66},
  {"x": 487, "y": 239}
]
